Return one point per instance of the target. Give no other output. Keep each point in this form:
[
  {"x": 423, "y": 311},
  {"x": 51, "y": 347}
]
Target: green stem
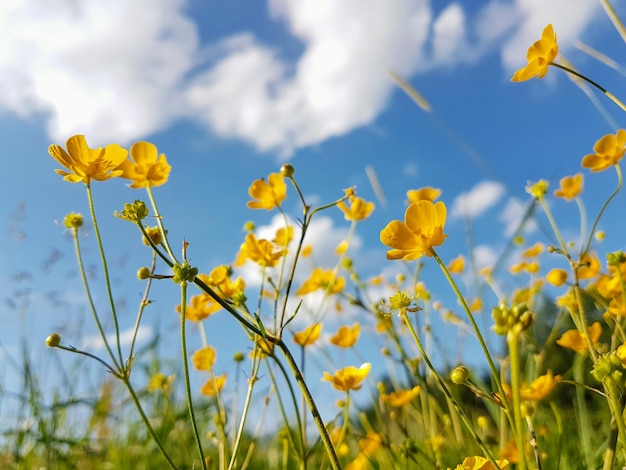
[
  {"x": 81, "y": 268},
  {"x": 330, "y": 449},
  {"x": 160, "y": 223},
  {"x": 607, "y": 93},
  {"x": 183, "y": 343},
  {"x": 444, "y": 388},
  {"x": 512, "y": 340},
  {"x": 142, "y": 306},
  {"x": 107, "y": 280}
]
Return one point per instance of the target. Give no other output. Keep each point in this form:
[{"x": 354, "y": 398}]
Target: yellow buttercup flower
[
  {"x": 201, "y": 306},
  {"x": 572, "y": 339},
  {"x": 557, "y": 277},
  {"x": 308, "y": 336},
  {"x": 359, "y": 209},
  {"x": 148, "y": 168},
  {"x": 213, "y": 386},
  {"x": 346, "y": 337},
  {"x": 570, "y": 187},
  {"x": 427, "y": 193},
  {"x": 322, "y": 279},
  {"x": 268, "y": 194},
  {"x": 540, "y": 387},
  {"x": 533, "y": 251},
  {"x": 480, "y": 463},
  {"x": 283, "y": 236},
  {"x": 348, "y": 378},
  {"x": 457, "y": 265},
  {"x": 204, "y": 359},
  {"x": 609, "y": 150},
  {"x": 401, "y": 397},
  {"x": 371, "y": 443},
  {"x": 589, "y": 266},
  {"x": 261, "y": 251},
  {"x": 421, "y": 230},
  {"x": 160, "y": 381},
  {"x": 539, "y": 56},
  {"x": 86, "y": 164}
]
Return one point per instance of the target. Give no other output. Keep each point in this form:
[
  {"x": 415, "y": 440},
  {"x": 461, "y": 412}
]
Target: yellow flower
[
  {"x": 480, "y": 463},
  {"x": 204, "y": 359},
  {"x": 308, "y": 336},
  {"x": 426, "y": 193},
  {"x": 476, "y": 305},
  {"x": 589, "y": 266},
  {"x": 160, "y": 381},
  {"x": 370, "y": 443},
  {"x": 541, "y": 54},
  {"x": 213, "y": 386},
  {"x": 261, "y": 251},
  {"x": 557, "y": 277},
  {"x": 348, "y": 378},
  {"x": 201, "y": 307},
  {"x": 262, "y": 348},
  {"x": 306, "y": 251},
  {"x": 571, "y": 186},
  {"x": 268, "y": 194},
  {"x": 342, "y": 247},
  {"x": 148, "y": 169},
  {"x": 359, "y": 209},
  {"x": 540, "y": 387},
  {"x": 346, "y": 337},
  {"x": 609, "y": 150},
  {"x": 621, "y": 353},
  {"x": 283, "y": 236},
  {"x": 457, "y": 265},
  {"x": 401, "y": 397},
  {"x": 533, "y": 251},
  {"x": 572, "y": 339},
  {"x": 322, "y": 279},
  {"x": 360, "y": 463},
  {"x": 421, "y": 230},
  {"x": 84, "y": 163}
]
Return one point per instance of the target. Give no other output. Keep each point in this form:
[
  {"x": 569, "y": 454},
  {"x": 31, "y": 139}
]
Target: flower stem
[{"x": 512, "y": 340}]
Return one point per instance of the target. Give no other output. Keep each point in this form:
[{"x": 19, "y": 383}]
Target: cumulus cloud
[
  {"x": 478, "y": 200},
  {"x": 94, "y": 342},
  {"x": 120, "y": 70}
]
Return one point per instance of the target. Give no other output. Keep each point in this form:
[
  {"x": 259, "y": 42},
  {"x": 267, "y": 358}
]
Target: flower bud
[
  {"x": 238, "y": 356},
  {"x": 459, "y": 375},
  {"x": 73, "y": 220},
  {"x": 144, "y": 273},
  {"x": 53, "y": 340},
  {"x": 287, "y": 170}
]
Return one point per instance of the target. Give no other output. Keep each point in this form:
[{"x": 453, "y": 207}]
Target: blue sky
[{"x": 230, "y": 91}]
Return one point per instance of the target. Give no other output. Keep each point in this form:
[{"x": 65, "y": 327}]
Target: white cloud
[
  {"x": 121, "y": 70},
  {"x": 513, "y": 215},
  {"x": 94, "y": 342},
  {"x": 484, "y": 255},
  {"x": 478, "y": 200}
]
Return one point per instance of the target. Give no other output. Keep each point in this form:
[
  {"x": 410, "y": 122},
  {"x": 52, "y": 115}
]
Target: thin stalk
[
  {"x": 444, "y": 388},
  {"x": 512, "y": 340},
  {"x": 160, "y": 223},
  {"x": 142, "y": 306},
  {"x": 92, "y": 306},
  {"x": 107, "y": 280},
  {"x": 183, "y": 343}
]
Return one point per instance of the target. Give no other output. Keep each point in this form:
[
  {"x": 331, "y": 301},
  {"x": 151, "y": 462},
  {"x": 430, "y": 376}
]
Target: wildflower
[
  {"x": 262, "y": 348},
  {"x": 421, "y": 230},
  {"x": 609, "y": 150},
  {"x": 540, "y": 55},
  {"x": 287, "y": 170},
  {"x": 135, "y": 212},
  {"x": 346, "y": 337},
  {"x": 427, "y": 193},
  {"x": 533, "y": 251},
  {"x": 402, "y": 303},
  {"x": 476, "y": 305},
  {"x": 73, "y": 220},
  {"x": 401, "y": 397},
  {"x": 537, "y": 190},
  {"x": 589, "y": 266},
  {"x": 457, "y": 265},
  {"x": 154, "y": 233},
  {"x": 342, "y": 247},
  {"x": 213, "y": 386},
  {"x": 322, "y": 279},
  {"x": 268, "y": 194},
  {"x": 620, "y": 352},
  {"x": 261, "y": 251},
  {"x": 359, "y": 209},
  {"x": 201, "y": 306},
  {"x": 572, "y": 339},
  {"x": 306, "y": 251},
  {"x": 480, "y": 463},
  {"x": 160, "y": 381},
  {"x": 510, "y": 452},
  {"x": 557, "y": 277},
  {"x": 86, "y": 164},
  {"x": 570, "y": 187},
  {"x": 148, "y": 168},
  {"x": 53, "y": 340},
  {"x": 370, "y": 443},
  {"x": 283, "y": 236},
  {"x": 540, "y": 387},
  {"x": 204, "y": 359},
  {"x": 348, "y": 378},
  {"x": 360, "y": 463},
  {"x": 308, "y": 336}
]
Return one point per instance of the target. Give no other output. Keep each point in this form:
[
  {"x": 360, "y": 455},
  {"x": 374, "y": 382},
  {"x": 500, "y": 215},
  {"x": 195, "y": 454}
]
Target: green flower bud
[
  {"x": 249, "y": 226},
  {"x": 184, "y": 273},
  {"x": 239, "y": 356},
  {"x": 73, "y": 220},
  {"x": 135, "y": 212},
  {"x": 144, "y": 273},
  {"x": 459, "y": 375},
  {"x": 53, "y": 340},
  {"x": 607, "y": 366},
  {"x": 287, "y": 170},
  {"x": 616, "y": 258}
]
